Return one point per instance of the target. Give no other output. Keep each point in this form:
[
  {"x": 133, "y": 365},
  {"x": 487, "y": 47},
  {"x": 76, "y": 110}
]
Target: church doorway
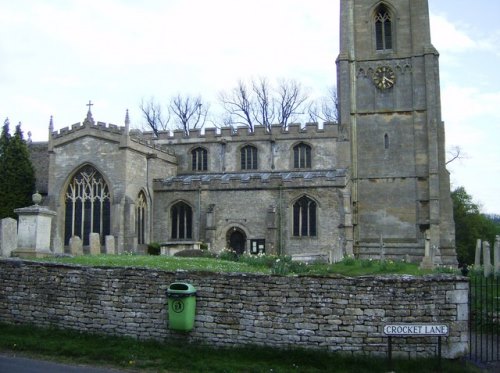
[{"x": 236, "y": 239}]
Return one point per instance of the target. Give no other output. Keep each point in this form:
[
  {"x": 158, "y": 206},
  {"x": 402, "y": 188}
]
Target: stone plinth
[{"x": 33, "y": 232}]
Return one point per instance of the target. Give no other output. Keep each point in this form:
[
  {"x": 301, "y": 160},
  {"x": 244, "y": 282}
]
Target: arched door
[{"x": 237, "y": 240}]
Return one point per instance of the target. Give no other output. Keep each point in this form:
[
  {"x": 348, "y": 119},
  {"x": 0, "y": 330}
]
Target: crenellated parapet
[
  {"x": 295, "y": 130},
  {"x": 113, "y": 133},
  {"x": 100, "y": 126}
]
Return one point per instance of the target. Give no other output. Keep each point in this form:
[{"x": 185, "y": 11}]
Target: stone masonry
[{"x": 334, "y": 313}]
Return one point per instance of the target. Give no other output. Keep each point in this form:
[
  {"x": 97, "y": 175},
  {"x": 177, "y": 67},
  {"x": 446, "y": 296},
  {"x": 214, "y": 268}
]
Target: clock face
[{"x": 384, "y": 77}]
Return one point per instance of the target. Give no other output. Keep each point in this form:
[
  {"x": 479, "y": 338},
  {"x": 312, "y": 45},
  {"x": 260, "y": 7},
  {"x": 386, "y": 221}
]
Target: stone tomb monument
[{"x": 33, "y": 232}]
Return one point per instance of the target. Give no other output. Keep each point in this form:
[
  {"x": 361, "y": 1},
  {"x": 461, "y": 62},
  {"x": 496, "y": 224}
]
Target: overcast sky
[{"x": 56, "y": 55}]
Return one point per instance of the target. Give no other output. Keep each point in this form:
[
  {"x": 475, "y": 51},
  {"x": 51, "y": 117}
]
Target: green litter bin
[{"x": 181, "y": 298}]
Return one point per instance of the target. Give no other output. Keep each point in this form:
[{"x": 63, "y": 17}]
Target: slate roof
[{"x": 264, "y": 177}]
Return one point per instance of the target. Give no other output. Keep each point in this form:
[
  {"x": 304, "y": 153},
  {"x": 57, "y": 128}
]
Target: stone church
[{"x": 376, "y": 181}]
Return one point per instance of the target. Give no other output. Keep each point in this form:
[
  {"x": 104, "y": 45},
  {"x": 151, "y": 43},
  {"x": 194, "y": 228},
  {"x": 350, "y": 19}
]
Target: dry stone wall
[{"x": 334, "y": 313}]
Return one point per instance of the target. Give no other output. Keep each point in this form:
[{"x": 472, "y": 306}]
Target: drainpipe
[
  {"x": 280, "y": 227},
  {"x": 198, "y": 215}
]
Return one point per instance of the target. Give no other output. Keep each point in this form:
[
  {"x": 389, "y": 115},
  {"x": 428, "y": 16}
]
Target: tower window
[
  {"x": 302, "y": 156},
  {"x": 199, "y": 159},
  {"x": 383, "y": 28},
  {"x": 249, "y": 158},
  {"x": 386, "y": 141}
]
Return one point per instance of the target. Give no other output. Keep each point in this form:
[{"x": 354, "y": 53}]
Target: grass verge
[
  {"x": 247, "y": 264},
  {"x": 74, "y": 347}
]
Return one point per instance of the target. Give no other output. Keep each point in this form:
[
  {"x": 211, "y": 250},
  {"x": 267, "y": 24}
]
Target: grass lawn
[
  {"x": 248, "y": 264},
  {"x": 74, "y": 347}
]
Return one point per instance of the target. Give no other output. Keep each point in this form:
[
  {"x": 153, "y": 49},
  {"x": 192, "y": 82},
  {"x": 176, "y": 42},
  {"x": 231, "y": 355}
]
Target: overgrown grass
[
  {"x": 167, "y": 263},
  {"x": 74, "y": 347},
  {"x": 266, "y": 264}
]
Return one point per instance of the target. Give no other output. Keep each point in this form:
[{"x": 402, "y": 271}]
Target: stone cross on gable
[{"x": 89, "y": 118}]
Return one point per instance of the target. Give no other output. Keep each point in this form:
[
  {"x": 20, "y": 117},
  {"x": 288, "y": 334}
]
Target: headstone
[
  {"x": 110, "y": 244},
  {"x": 382, "y": 249},
  {"x": 76, "y": 246},
  {"x": 427, "y": 262},
  {"x": 8, "y": 236},
  {"x": 57, "y": 245},
  {"x": 488, "y": 268},
  {"x": 477, "y": 259},
  {"x": 496, "y": 255},
  {"x": 95, "y": 244}
]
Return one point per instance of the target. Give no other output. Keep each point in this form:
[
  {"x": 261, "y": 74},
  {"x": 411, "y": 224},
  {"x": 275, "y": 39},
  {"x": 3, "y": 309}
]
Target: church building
[{"x": 376, "y": 181}]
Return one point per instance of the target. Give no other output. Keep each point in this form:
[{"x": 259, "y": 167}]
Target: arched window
[
  {"x": 302, "y": 156},
  {"x": 304, "y": 217},
  {"x": 182, "y": 221},
  {"x": 249, "y": 158},
  {"x": 383, "y": 28},
  {"x": 87, "y": 206},
  {"x": 199, "y": 159},
  {"x": 386, "y": 141},
  {"x": 141, "y": 205}
]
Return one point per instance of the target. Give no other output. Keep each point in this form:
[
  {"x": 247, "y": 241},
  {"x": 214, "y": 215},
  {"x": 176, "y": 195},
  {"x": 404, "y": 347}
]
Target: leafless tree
[
  {"x": 188, "y": 112},
  {"x": 264, "y": 105},
  {"x": 290, "y": 101},
  {"x": 155, "y": 118},
  {"x": 326, "y": 108},
  {"x": 238, "y": 105},
  {"x": 454, "y": 153}
]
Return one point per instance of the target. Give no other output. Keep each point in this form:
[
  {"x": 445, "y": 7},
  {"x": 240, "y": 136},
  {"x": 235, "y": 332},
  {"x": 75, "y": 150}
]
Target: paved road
[{"x": 14, "y": 364}]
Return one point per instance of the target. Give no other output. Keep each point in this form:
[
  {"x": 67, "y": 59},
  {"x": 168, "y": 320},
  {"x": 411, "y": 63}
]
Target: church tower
[{"x": 389, "y": 104}]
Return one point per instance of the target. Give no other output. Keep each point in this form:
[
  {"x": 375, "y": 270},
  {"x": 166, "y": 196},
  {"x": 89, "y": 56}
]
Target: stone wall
[{"x": 334, "y": 313}]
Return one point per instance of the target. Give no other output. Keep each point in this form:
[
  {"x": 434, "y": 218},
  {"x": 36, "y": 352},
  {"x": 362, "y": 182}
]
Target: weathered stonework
[
  {"x": 378, "y": 173},
  {"x": 334, "y": 313}
]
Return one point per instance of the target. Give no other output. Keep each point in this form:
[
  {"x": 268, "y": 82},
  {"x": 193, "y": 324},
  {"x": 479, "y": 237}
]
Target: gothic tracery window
[
  {"x": 182, "y": 221},
  {"x": 304, "y": 217},
  {"x": 87, "y": 206},
  {"x": 302, "y": 156},
  {"x": 141, "y": 215},
  {"x": 249, "y": 158},
  {"x": 383, "y": 28}
]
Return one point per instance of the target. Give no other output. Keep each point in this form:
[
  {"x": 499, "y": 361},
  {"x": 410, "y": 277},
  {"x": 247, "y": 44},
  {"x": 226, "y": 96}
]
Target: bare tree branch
[
  {"x": 264, "y": 106},
  {"x": 326, "y": 108},
  {"x": 238, "y": 105},
  {"x": 189, "y": 112},
  {"x": 455, "y": 152},
  {"x": 289, "y": 101},
  {"x": 155, "y": 119}
]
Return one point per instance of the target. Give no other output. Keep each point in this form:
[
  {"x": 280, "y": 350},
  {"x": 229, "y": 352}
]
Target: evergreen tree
[
  {"x": 470, "y": 225},
  {"x": 17, "y": 181}
]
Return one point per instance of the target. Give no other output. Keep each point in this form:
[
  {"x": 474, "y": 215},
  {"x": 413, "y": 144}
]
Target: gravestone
[
  {"x": 110, "y": 244},
  {"x": 427, "y": 262},
  {"x": 382, "y": 249},
  {"x": 477, "y": 259},
  {"x": 488, "y": 268},
  {"x": 76, "y": 246},
  {"x": 57, "y": 245},
  {"x": 496, "y": 255},
  {"x": 8, "y": 236},
  {"x": 95, "y": 244}
]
